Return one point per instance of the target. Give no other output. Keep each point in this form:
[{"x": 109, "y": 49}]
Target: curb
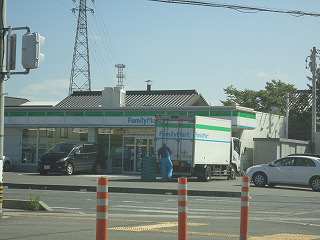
[
  {"x": 122, "y": 190},
  {"x": 24, "y": 205}
]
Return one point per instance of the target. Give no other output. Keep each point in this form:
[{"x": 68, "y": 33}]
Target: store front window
[
  {"x": 36, "y": 141},
  {"x": 129, "y": 154},
  {"x": 116, "y": 150},
  {"x": 29, "y": 145}
]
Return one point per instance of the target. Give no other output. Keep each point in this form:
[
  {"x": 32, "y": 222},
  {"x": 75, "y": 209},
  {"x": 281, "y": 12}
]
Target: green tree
[{"x": 274, "y": 95}]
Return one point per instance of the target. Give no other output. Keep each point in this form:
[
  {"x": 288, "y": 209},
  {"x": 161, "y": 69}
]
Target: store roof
[
  {"x": 14, "y": 101},
  {"x": 156, "y": 98},
  {"x": 40, "y": 104}
]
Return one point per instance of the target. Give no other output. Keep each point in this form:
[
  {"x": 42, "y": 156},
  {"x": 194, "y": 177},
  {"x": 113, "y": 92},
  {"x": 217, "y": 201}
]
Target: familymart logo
[{"x": 141, "y": 120}]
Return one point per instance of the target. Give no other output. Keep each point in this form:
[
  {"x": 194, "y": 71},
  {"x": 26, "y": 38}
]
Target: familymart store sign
[{"x": 115, "y": 118}]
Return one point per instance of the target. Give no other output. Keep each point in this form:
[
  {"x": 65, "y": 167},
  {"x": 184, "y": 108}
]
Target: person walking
[{"x": 164, "y": 153}]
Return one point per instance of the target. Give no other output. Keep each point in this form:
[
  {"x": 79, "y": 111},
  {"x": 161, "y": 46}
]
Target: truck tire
[
  {"x": 207, "y": 174},
  {"x": 232, "y": 175}
]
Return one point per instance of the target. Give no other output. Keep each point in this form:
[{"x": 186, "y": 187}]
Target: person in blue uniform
[{"x": 164, "y": 153}]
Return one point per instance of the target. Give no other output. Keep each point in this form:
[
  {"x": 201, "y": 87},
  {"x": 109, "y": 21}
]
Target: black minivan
[{"x": 70, "y": 157}]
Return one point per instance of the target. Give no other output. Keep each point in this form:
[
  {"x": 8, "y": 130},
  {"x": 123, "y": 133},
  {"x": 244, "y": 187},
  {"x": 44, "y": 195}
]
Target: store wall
[
  {"x": 267, "y": 125},
  {"x": 270, "y": 149},
  {"x": 12, "y": 143}
]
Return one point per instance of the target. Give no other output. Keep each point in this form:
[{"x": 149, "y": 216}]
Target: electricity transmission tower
[{"x": 80, "y": 72}]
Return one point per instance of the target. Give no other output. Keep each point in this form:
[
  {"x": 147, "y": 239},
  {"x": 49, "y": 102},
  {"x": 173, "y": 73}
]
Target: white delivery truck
[{"x": 200, "y": 146}]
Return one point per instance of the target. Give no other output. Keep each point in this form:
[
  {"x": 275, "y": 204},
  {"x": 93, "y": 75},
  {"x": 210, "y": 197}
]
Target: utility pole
[
  {"x": 31, "y": 57},
  {"x": 2, "y": 76},
  {"x": 287, "y": 115},
  {"x": 313, "y": 69}
]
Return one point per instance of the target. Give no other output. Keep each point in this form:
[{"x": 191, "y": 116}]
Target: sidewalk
[{"x": 218, "y": 187}]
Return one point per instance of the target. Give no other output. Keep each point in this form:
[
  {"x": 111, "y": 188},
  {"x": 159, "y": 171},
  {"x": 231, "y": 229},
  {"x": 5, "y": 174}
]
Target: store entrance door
[{"x": 135, "y": 149}]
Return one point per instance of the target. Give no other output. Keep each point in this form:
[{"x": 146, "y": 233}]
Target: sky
[{"x": 176, "y": 46}]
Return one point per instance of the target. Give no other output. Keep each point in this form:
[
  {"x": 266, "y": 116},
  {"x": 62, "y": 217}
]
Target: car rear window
[
  {"x": 304, "y": 162},
  {"x": 88, "y": 148},
  {"x": 61, "y": 148}
]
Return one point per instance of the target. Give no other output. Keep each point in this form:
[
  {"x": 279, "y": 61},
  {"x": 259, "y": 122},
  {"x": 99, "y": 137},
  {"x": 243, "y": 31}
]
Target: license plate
[{"x": 46, "y": 167}]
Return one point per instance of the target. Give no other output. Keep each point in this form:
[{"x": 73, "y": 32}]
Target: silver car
[{"x": 301, "y": 170}]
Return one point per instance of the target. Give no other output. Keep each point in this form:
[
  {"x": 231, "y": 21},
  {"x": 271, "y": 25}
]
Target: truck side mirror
[{"x": 77, "y": 152}]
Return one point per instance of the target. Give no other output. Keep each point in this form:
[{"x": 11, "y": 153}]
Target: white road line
[
  {"x": 65, "y": 208},
  {"x": 300, "y": 223},
  {"x": 190, "y": 209}
]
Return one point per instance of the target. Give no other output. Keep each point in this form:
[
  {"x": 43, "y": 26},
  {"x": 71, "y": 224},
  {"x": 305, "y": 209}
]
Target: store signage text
[{"x": 141, "y": 120}]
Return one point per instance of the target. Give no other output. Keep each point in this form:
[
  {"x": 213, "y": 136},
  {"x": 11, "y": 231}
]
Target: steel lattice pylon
[{"x": 80, "y": 70}]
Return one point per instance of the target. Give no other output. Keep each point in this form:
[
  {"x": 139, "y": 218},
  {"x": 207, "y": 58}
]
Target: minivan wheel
[
  {"x": 98, "y": 168},
  {"x": 315, "y": 184},
  {"x": 259, "y": 179},
  {"x": 69, "y": 169}
]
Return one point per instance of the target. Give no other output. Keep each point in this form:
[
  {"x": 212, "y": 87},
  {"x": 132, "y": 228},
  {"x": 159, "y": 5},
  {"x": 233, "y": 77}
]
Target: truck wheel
[
  {"x": 232, "y": 175},
  {"x": 207, "y": 174}
]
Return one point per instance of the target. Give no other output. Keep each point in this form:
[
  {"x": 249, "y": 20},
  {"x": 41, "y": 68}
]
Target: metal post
[
  {"x": 102, "y": 209},
  {"x": 3, "y": 69},
  {"x": 182, "y": 209},
  {"x": 287, "y": 116},
  {"x": 244, "y": 217},
  {"x": 314, "y": 97}
]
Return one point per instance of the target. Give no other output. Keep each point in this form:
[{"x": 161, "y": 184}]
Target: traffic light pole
[{"x": 3, "y": 69}]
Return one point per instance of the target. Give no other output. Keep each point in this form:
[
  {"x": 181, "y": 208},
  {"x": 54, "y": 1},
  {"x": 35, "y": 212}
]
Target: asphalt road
[
  {"x": 138, "y": 216},
  {"x": 133, "y": 184}
]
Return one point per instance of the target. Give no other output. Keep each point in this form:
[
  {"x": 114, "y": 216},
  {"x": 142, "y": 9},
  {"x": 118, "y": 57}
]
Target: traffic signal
[{"x": 31, "y": 46}]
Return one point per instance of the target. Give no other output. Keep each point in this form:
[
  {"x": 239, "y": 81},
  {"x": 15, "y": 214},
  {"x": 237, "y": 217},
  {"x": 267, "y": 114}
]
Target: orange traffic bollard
[
  {"x": 244, "y": 219},
  {"x": 182, "y": 209},
  {"x": 102, "y": 209}
]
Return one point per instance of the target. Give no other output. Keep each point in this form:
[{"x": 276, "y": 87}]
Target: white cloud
[
  {"x": 54, "y": 89},
  {"x": 275, "y": 75}
]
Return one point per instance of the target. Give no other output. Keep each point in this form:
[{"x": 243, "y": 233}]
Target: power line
[
  {"x": 243, "y": 9},
  {"x": 100, "y": 57},
  {"x": 105, "y": 31},
  {"x": 110, "y": 60},
  {"x": 62, "y": 4}
]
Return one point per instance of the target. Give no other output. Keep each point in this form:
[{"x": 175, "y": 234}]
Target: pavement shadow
[
  {"x": 289, "y": 188},
  {"x": 158, "y": 180}
]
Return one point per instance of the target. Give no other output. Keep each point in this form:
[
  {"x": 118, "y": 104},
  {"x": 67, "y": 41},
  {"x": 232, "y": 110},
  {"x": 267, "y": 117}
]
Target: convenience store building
[{"x": 123, "y": 122}]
